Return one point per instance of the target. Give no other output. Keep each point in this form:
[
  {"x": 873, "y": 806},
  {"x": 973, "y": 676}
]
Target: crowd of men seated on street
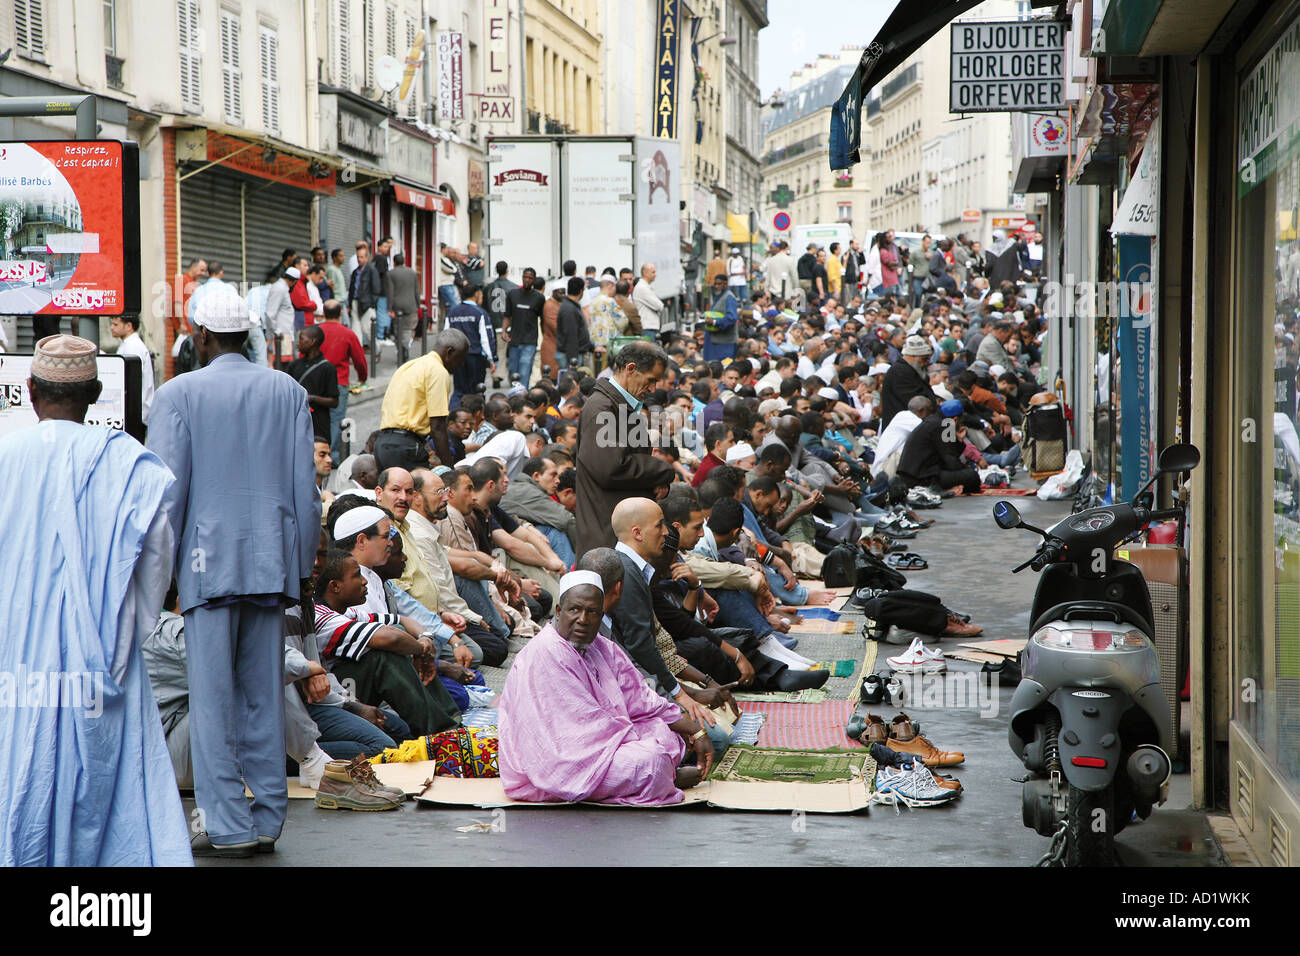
[{"x": 812, "y": 434}]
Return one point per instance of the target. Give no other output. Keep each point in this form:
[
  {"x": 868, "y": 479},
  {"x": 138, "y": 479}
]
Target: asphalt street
[{"x": 970, "y": 562}]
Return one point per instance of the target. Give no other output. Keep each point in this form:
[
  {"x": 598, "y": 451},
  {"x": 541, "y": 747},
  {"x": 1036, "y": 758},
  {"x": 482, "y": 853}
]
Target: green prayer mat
[{"x": 763, "y": 765}]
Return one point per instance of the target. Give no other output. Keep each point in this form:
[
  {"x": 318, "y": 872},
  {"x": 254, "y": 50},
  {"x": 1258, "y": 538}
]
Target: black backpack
[
  {"x": 848, "y": 564},
  {"x": 911, "y": 610}
]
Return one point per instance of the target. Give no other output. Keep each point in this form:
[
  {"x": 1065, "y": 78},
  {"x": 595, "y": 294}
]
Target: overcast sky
[{"x": 799, "y": 30}]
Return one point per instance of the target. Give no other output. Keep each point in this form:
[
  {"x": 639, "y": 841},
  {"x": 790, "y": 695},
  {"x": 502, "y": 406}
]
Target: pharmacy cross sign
[{"x": 782, "y": 196}]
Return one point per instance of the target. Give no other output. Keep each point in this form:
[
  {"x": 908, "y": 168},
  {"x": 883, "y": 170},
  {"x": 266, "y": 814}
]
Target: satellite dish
[{"x": 388, "y": 73}]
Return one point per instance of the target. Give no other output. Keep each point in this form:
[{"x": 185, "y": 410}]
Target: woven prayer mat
[
  {"x": 829, "y": 648},
  {"x": 1007, "y": 492},
  {"x": 804, "y": 726},
  {"x": 841, "y": 796},
  {"x": 774, "y": 765}
]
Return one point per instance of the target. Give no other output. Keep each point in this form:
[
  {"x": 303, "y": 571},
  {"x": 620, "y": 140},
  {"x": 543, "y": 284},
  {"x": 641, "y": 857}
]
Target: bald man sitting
[
  {"x": 577, "y": 722},
  {"x": 638, "y": 523}
]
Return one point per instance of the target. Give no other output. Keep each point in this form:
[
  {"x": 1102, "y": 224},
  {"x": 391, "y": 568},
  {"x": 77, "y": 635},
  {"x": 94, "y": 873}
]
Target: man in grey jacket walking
[
  {"x": 402, "y": 289},
  {"x": 245, "y": 515}
]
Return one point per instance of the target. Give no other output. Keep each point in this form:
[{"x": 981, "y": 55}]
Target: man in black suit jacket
[{"x": 639, "y": 525}]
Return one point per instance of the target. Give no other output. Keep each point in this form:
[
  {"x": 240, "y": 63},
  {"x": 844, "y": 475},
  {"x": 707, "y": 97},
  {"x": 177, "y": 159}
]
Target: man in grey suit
[
  {"x": 402, "y": 289},
  {"x": 245, "y": 514}
]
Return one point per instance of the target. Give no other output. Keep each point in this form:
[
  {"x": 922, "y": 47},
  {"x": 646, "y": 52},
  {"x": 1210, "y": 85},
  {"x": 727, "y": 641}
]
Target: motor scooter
[{"x": 1089, "y": 719}]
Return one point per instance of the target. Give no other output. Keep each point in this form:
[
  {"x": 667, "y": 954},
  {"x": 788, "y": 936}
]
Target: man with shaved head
[{"x": 638, "y": 523}]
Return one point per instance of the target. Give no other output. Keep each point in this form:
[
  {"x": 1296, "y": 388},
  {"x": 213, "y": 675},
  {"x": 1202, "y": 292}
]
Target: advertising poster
[
  {"x": 16, "y": 410},
  {"x": 62, "y": 249}
]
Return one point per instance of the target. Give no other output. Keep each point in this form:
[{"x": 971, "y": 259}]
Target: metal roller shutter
[
  {"x": 343, "y": 220},
  {"x": 275, "y": 218}
]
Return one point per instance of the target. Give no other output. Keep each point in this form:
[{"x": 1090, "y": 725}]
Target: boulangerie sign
[{"x": 451, "y": 94}]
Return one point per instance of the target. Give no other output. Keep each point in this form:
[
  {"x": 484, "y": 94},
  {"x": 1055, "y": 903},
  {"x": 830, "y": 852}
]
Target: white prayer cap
[
  {"x": 578, "y": 578},
  {"x": 737, "y": 452},
  {"x": 825, "y": 374},
  {"x": 222, "y": 310},
  {"x": 880, "y": 368},
  {"x": 352, "y": 523},
  {"x": 829, "y": 394},
  {"x": 65, "y": 358},
  {"x": 293, "y": 273},
  {"x": 996, "y": 370},
  {"x": 770, "y": 405}
]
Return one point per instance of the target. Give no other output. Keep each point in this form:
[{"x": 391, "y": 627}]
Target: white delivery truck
[
  {"x": 598, "y": 200},
  {"x": 822, "y": 233}
]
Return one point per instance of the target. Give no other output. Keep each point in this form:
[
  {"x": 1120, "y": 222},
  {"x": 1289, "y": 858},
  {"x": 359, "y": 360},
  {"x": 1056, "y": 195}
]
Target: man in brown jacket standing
[{"x": 613, "y": 458}]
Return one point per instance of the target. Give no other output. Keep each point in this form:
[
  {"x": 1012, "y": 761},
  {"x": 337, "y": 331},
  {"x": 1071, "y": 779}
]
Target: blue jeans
[
  {"x": 343, "y": 735},
  {"x": 796, "y": 596},
  {"x": 256, "y": 348},
  {"x": 381, "y": 313},
  {"x": 336, "y": 418},
  {"x": 449, "y": 296},
  {"x": 519, "y": 358},
  {"x": 560, "y": 544},
  {"x": 737, "y": 609},
  {"x": 475, "y": 594},
  {"x": 1005, "y": 459}
]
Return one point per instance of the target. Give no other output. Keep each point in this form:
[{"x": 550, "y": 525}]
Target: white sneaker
[
  {"x": 914, "y": 787},
  {"x": 312, "y": 768},
  {"x": 918, "y": 660}
]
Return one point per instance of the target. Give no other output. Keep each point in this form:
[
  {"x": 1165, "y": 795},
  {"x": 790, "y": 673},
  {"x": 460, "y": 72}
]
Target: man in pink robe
[{"x": 578, "y": 722}]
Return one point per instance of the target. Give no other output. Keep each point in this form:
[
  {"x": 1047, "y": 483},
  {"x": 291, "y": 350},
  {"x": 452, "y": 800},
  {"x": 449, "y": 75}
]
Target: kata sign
[
  {"x": 666, "y": 48},
  {"x": 1007, "y": 67}
]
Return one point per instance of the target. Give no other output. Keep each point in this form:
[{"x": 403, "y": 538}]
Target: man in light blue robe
[
  {"x": 245, "y": 512},
  {"x": 85, "y": 779}
]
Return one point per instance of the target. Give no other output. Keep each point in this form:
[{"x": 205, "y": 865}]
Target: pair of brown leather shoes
[
  {"x": 956, "y": 628},
  {"x": 905, "y": 737}
]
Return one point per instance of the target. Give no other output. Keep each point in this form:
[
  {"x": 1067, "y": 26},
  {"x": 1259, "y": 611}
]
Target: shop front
[
  {"x": 1264, "y": 524},
  {"x": 356, "y": 130},
  {"x": 409, "y": 206}
]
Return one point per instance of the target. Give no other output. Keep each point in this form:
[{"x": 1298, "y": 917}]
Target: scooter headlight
[{"x": 1091, "y": 637}]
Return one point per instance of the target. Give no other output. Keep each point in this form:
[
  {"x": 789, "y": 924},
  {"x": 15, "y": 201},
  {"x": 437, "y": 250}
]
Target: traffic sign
[{"x": 781, "y": 221}]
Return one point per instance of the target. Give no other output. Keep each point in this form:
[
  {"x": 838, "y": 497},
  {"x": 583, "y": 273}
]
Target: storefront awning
[
  {"x": 1159, "y": 27},
  {"x": 1112, "y": 124},
  {"x": 270, "y": 159},
  {"x": 423, "y": 199},
  {"x": 739, "y": 226},
  {"x": 912, "y": 23}
]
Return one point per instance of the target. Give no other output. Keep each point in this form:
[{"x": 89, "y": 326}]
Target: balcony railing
[
  {"x": 795, "y": 149},
  {"x": 901, "y": 82}
]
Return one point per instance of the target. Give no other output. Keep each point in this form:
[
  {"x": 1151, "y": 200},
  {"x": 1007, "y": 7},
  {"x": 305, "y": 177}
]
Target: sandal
[
  {"x": 907, "y": 561},
  {"x": 894, "y": 688}
]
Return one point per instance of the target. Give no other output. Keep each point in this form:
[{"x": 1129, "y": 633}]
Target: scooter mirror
[
  {"x": 1178, "y": 458},
  {"x": 1006, "y": 515}
]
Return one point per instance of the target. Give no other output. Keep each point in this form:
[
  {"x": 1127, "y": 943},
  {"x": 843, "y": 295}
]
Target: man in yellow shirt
[
  {"x": 417, "y": 404},
  {"x": 834, "y": 272}
]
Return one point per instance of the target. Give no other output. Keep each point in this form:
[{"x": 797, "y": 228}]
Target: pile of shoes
[{"x": 907, "y": 762}]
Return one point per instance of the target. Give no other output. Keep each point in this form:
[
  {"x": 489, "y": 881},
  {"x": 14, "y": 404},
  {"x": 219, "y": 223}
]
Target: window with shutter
[
  {"x": 343, "y": 43},
  {"x": 270, "y": 57},
  {"x": 29, "y": 27},
  {"x": 368, "y": 46},
  {"x": 232, "y": 78},
  {"x": 390, "y": 48},
  {"x": 411, "y": 96},
  {"x": 191, "y": 55}
]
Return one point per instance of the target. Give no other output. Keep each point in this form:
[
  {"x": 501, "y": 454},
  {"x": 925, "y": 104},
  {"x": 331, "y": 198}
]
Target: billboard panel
[
  {"x": 598, "y": 216},
  {"x": 658, "y": 213},
  {"x": 69, "y": 233}
]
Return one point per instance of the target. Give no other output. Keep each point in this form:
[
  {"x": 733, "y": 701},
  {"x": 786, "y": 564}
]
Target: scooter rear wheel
[{"x": 1090, "y": 819}]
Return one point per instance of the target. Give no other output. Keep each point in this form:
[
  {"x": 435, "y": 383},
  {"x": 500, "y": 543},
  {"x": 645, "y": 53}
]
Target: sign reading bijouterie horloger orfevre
[
  {"x": 1007, "y": 67},
  {"x": 451, "y": 99}
]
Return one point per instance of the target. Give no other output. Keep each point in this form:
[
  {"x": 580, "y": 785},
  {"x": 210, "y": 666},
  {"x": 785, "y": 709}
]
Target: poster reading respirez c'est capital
[{"x": 62, "y": 249}]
